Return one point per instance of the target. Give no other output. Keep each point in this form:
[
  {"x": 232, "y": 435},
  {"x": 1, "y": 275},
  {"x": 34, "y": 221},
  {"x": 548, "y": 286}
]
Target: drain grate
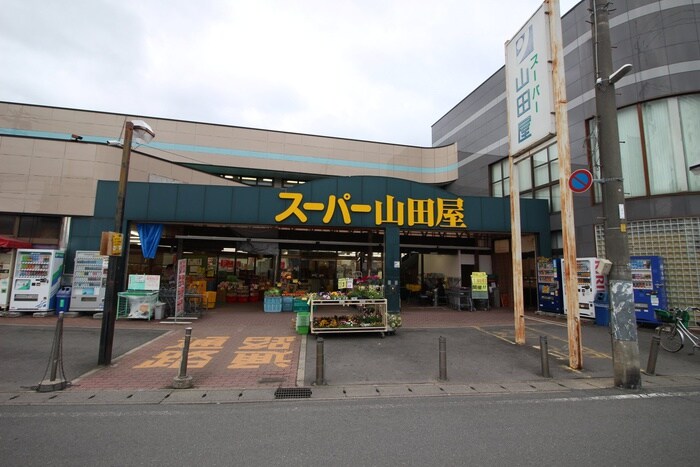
[{"x": 292, "y": 393}]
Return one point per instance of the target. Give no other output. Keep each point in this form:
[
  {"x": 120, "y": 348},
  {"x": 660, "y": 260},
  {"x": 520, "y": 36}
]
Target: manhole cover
[{"x": 292, "y": 393}]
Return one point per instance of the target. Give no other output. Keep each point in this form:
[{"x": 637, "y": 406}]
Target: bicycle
[{"x": 674, "y": 330}]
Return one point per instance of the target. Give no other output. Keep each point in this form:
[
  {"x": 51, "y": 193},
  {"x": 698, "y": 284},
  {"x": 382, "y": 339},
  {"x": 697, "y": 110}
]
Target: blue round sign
[{"x": 580, "y": 180}]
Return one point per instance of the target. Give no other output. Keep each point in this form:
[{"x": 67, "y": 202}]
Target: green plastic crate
[
  {"x": 300, "y": 304},
  {"x": 303, "y": 318}
]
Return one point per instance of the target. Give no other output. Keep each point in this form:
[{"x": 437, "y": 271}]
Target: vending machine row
[{"x": 648, "y": 285}]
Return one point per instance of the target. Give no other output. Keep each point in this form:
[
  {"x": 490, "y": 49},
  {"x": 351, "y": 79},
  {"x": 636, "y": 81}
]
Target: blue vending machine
[
  {"x": 649, "y": 287},
  {"x": 550, "y": 293}
]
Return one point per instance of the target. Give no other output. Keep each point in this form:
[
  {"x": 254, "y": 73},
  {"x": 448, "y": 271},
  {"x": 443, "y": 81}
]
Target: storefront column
[{"x": 392, "y": 268}]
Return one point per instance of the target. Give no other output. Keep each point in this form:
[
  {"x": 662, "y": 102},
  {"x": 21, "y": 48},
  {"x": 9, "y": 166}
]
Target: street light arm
[
  {"x": 142, "y": 132},
  {"x": 615, "y": 76}
]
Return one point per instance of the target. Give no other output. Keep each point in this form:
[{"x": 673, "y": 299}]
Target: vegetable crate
[
  {"x": 300, "y": 304},
  {"x": 272, "y": 304}
]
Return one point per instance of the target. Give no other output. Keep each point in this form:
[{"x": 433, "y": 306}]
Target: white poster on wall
[{"x": 529, "y": 90}]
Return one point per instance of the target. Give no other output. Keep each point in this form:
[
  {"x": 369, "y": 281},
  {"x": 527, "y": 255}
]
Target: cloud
[{"x": 377, "y": 70}]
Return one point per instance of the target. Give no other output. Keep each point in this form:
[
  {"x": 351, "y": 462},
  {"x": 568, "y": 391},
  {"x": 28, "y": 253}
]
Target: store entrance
[{"x": 251, "y": 259}]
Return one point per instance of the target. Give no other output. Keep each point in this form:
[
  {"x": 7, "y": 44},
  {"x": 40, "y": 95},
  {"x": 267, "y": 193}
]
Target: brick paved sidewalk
[{"x": 231, "y": 346}]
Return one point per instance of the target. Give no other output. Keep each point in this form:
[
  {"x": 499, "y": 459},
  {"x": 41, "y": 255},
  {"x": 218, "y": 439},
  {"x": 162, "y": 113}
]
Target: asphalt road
[
  {"x": 25, "y": 351},
  {"x": 606, "y": 427}
]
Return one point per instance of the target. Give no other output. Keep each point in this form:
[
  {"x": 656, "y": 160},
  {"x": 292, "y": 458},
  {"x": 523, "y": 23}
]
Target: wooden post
[
  {"x": 567, "y": 208},
  {"x": 516, "y": 255}
]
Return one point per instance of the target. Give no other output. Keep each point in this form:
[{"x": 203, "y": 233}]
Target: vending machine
[
  {"x": 649, "y": 287},
  {"x": 7, "y": 261},
  {"x": 550, "y": 294},
  {"x": 589, "y": 283},
  {"x": 89, "y": 281},
  {"x": 36, "y": 280}
]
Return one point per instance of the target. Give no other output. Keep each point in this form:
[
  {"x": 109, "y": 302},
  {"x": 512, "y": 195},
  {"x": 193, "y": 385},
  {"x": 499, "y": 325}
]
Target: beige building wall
[{"x": 44, "y": 170}]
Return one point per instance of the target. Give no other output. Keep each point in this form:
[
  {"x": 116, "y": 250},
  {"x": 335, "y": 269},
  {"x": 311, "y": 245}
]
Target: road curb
[{"x": 341, "y": 392}]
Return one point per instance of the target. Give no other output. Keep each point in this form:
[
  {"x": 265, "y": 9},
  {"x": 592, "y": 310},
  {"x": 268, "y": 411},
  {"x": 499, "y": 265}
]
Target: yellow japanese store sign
[{"x": 437, "y": 212}]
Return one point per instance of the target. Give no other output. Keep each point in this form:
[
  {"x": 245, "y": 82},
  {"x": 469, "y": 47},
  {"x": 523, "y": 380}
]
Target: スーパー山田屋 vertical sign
[{"x": 529, "y": 84}]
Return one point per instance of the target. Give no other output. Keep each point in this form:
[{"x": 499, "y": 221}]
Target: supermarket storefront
[{"x": 377, "y": 216}]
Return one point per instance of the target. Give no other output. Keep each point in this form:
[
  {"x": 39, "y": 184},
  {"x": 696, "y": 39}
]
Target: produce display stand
[{"x": 354, "y": 309}]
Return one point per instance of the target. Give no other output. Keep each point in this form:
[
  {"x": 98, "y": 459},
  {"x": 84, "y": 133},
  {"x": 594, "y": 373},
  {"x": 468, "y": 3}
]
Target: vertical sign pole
[
  {"x": 567, "y": 210},
  {"x": 516, "y": 254}
]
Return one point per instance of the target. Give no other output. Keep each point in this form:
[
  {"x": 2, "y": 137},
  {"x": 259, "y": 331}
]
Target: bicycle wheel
[{"x": 671, "y": 339}]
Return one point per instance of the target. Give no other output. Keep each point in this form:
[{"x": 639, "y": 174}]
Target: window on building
[
  {"x": 500, "y": 179},
  {"x": 662, "y": 147},
  {"x": 252, "y": 181},
  {"x": 538, "y": 177},
  {"x": 689, "y": 107},
  {"x": 659, "y": 142},
  {"x": 557, "y": 243},
  {"x": 40, "y": 227},
  {"x": 524, "y": 168},
  {"x": 7, "y": 224}
]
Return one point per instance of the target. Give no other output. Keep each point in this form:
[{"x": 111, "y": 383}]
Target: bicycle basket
[
  {"x": 685, "y": 317},
  {"x": 664, "y": 316}
]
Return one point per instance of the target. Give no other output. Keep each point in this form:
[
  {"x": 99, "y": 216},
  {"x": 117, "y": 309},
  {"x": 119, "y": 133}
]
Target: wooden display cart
[{"x": 363, "y": 315}]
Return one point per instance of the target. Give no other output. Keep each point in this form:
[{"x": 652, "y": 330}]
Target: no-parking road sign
[{"x": 580, "y": 180}]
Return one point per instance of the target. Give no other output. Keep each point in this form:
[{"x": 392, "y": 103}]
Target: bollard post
[
  {"x": 182, "y": 381},
  {"x": 56, "y": 350},
  {"x": 320, "y": 380},
  {"x": 56, "y": 381},
  {"x": 653, "y": 354},
  {"x": 442, "y": 350},
  {"x": 544, "y": 356}
]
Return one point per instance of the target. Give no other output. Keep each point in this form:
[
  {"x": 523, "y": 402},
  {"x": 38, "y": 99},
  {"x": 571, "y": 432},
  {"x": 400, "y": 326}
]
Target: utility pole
[
  {"x": 109, "y": 312},
  {"x": 623, "y": 324}
]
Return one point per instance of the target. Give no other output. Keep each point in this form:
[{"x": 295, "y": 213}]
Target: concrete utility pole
[{"x": 623, "y": 325}]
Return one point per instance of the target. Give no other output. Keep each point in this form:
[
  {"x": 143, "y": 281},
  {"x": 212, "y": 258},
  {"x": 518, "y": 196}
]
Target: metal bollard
[
  {"x": 320, "y": 380},
  {"x": 544, "y": 356},
  {"x": 443, "y": 358},
  {"x": 57, "y": 380},
  {"x": 653, "y": 354},
  {"x": 182, "y": 381},
  {"x": 56, "y": 350}
]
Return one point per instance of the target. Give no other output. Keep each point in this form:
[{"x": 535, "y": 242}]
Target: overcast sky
[{"x": 379, "y": 70}]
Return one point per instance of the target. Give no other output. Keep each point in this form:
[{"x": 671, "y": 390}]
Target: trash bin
[
  {"x": 602, "y": 309},
  {"x": 63, "y": 299},
  {"x": 496, "y": 297},
  {"x": 159, "y": 310},
  {"x": 303, "y": 322}
]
